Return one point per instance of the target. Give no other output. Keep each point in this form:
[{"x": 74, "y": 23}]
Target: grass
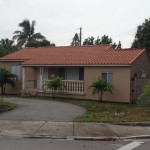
[
  {"x": 6, "y": 106},
  {"x": 109, "y": 112}
]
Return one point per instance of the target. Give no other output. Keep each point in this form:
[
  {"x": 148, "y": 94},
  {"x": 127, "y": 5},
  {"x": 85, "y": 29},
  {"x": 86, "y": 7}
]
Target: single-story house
[{"x": 78, "y": 66}]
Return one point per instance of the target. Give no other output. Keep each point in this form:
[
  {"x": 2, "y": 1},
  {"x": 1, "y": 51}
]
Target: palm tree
[
  {"x": 100, "y": 86},
  {"x": 6, "y": 46},
  {"x": 6, "y": 77},
  {"x": 27, "y": 34},
  {"x": 55, "y": 85}
]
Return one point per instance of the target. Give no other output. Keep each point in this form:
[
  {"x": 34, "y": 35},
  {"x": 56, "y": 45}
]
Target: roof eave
[{"x": 78, "y": 65}]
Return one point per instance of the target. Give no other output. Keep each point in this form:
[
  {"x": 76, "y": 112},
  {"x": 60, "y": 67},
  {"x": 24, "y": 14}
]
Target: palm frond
[
  {"x": 38, "y": 36},
  {"x": 100, "y": 86},
  {"x": 18, "y": 32}
]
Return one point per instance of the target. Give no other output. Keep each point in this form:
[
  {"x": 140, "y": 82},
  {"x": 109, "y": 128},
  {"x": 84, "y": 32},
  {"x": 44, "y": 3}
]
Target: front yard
[
  {"x": 102, "y": 112},
  {"x": 110, "y": 112},
  {"x": 6, "y": 106}
]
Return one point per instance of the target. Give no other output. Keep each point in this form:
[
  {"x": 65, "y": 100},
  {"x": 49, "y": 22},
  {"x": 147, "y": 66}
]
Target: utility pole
[{"x": 80, "y": 36}]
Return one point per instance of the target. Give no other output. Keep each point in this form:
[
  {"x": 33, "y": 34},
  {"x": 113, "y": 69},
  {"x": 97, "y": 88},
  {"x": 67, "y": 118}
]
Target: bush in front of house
[
  {"x": 6, "y": 106},
  {"x": 99, "y": 87},
  {"x": 6, "y": 77},
  {"x": 56, "y": 85}
]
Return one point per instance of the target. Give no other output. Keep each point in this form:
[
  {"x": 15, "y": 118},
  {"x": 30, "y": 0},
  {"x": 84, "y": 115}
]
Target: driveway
[{"x": 41, "y": 110}]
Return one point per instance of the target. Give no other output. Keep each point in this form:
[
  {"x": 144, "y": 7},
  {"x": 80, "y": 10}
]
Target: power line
[{"x": 65, "y": 42}]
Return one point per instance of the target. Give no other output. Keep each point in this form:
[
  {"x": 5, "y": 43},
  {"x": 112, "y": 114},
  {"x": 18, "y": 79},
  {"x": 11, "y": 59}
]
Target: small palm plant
[
  {"x": 55, "y": 85},
  {"x": 99, "y": 87},
  {"x": 6, "y": 77}
]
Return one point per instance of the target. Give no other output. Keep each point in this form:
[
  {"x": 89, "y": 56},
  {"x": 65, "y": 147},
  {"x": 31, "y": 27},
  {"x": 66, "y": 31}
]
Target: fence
[{"x": 138, "y": 85}]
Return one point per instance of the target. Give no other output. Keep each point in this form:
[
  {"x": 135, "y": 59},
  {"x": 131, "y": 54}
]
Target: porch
[{"x": 73, "y": 79}]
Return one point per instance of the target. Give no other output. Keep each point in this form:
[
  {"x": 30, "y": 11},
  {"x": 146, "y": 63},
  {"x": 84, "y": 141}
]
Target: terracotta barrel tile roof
[{"x": 79, "y": 55}]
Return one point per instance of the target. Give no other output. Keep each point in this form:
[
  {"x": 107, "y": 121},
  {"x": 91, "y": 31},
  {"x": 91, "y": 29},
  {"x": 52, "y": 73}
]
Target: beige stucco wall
[
  {"x": 30, "y": 75},
  {"x": 17, "y": 88},
  {"x": 142, "y": 63},
  {"x": 121, "y": 82}
]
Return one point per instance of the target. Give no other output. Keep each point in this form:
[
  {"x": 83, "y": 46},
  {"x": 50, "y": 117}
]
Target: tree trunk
[
  {"x": 53, "y": 93},
  {"x": 2, "y": 90},
  {"x": 101, "y": 97}
]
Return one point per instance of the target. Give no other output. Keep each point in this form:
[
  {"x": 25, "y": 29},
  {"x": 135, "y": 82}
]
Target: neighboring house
[{"x": 79, "y": 67}]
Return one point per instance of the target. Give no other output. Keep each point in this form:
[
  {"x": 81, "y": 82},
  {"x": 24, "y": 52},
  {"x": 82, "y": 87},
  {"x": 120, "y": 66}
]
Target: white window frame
[
  {"x": 108, "y": 73},
  {"x": 16, "y": 71}
]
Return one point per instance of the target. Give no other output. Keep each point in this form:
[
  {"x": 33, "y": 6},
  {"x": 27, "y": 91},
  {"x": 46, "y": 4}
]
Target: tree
[
  {"x": 89, "y": 41},
  {"x": 7, "y": 46},
  {"x": 97, "y": 41},
  {"x": 55, "y": 85},
  {"x": 99, "y": 87},
  {"x": 142, "y": 36},
  {"x": 75, "y": 40},
  {"x": 106, "y": 40},
  {"x": 6, "y": 77},
  {"x": 39, "y": 44},
  {"x": 27, "y": 34},
  {"x": 119, "y": 45}
]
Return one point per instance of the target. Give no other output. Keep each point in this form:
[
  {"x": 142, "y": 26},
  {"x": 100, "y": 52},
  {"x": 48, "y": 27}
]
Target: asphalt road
[
  {"x": 41, "y": 110},
  {"x": 18, "y": 143}
]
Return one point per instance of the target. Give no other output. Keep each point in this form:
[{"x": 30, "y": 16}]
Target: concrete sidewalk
[{"x": 75, "y": 130}]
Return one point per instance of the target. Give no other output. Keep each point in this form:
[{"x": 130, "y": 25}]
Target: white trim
[
  {"x": 23, "y": 78},
  {"x": 41, "y": 78}
]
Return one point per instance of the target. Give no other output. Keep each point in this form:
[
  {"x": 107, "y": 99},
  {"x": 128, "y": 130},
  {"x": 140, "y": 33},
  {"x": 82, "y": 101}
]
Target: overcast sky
[{"x": 59, "y": 20}]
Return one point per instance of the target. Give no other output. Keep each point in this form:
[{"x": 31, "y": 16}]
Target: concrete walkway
[{"x": 71, "y": 130}]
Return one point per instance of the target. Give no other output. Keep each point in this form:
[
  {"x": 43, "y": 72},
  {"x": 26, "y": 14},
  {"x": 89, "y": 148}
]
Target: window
[
  {"x": 107, "y": 76},
  {"x": 72, "y": 73},
  {"x": 15, "y": 69}
]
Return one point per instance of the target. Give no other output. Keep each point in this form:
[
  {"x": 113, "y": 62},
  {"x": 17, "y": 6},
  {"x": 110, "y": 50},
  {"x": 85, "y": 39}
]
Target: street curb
[
  {"x": 136, "y": 137},
  {"x": 102, "y": 138},
  {"x": 45, "y": 137},
  {"x": 142, "y": 124}
]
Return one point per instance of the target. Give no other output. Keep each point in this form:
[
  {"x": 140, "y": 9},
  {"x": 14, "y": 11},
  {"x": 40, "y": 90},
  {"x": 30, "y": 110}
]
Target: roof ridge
[
  {"x": 68, "y": 46},
  {"x": 133, "y": 49}
]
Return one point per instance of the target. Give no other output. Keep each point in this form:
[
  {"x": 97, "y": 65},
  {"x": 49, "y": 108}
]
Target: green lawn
[
  {"x": 6, "y": 106},
  {"x": 110, "y": 112}
]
